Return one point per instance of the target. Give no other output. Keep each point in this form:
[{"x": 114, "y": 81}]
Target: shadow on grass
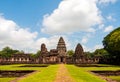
[
  {"x": 14, "y": 73},
  {"x": 92, "y": 65},
  {"x": 35, "y": 65}
]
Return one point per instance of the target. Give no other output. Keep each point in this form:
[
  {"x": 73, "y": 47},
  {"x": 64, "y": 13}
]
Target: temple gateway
[{"x": 54, "y": 56}]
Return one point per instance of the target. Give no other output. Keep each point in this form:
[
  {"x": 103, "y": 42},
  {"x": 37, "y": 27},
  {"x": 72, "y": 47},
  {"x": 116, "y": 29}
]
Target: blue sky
[{"x": 26, "y": 24}]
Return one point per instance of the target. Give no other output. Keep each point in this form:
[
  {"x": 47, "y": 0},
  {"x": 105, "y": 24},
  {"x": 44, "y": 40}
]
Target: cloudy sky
[{"x": 25, "y": 24}]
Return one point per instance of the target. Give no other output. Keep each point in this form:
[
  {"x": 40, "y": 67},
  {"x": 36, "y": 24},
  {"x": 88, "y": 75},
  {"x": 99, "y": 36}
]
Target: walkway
[{"x": 63, "y": 75}]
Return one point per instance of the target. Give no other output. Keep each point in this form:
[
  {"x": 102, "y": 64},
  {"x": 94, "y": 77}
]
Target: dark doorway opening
[{"x": 61, "y": 59}]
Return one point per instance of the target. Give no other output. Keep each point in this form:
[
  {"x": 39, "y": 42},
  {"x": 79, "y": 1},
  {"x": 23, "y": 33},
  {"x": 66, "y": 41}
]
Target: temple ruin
[{"x": 54, "y": 56}]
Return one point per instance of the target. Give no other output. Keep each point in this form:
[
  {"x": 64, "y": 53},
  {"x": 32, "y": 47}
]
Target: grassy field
[
  {"x": 81, "y": 74},
  {"x": 6, "y": 79},
  {"x": 117, "y": 78},
  {"x": 43, "y": 74},
  {"x": 48, "y": 74}
]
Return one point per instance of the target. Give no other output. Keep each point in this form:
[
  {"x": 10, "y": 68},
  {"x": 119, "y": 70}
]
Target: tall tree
[{"x": 112, "y": 44}]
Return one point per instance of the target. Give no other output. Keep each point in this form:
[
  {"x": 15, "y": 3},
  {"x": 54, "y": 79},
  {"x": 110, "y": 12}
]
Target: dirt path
[{"x": 63, "y": 75}]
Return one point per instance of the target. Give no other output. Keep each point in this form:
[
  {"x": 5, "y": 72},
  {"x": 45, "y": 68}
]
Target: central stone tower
[{"x": 61, "y": 47}]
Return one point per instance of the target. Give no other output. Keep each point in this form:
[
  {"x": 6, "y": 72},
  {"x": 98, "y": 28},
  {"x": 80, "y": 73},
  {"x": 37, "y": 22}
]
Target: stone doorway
[{"x": 61, "y": 60}]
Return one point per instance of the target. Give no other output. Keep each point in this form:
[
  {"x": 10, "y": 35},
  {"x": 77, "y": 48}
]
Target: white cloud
[
  {"x": 108, "y": 29},
  {"x": 71, "y": 16},
  {"x": 84, "y": 40},
  {"x": 91, "y": 30},
  {"x": 86, "y": 49},
  {"x": 98, "y": 46},
  {"x": 110, "y": 18},
  {"x": 101, "y": 26},
  {"x": 12, "y": 35},
  {"x": 106, "y": 1},
  {"x": 16, "y": 37},
  {"x": 92, "y": 49}
]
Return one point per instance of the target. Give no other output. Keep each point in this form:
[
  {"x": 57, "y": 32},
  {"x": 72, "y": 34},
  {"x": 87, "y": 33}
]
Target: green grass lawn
[
  {"x": 117, "y": 78},
  {"x": 81, "y": 74},
  {"x": 47, "y": 74},
  {"x": 6, "y": 79},
  {"x": 43, "y": 74}
]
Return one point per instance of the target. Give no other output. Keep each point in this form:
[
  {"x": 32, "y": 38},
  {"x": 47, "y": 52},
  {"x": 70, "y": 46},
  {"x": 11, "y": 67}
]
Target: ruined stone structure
[
  {"x": 80, "y": 58},
  {"x": 17, "y": 58},
  {"x": 58, "y": 55}
]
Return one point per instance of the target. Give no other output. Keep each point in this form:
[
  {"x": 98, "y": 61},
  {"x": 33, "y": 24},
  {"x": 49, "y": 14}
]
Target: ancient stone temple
[
  {"x": 17, "y": 58},
  {"x": 78, "y": 51},
  {"x": 54, "y": 56},
  {"x": 79, "y": 56},
  {"x": 57, "y": 55},
  {"x": 61, "y": 47}
]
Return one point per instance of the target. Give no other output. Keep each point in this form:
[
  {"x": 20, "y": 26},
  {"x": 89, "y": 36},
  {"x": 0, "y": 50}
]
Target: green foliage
[
  {"x": 117, "y": 78},
  {"x": 38, "y": 53},
  {"x": 101, "y": 52},
  {"x": 89, "y": 54},
  {"x": 112, "y": 42},
  {"x": 70, "y": 52},
  {"x": 7, "y": 52},
  {"x": 19, "y": 52}
]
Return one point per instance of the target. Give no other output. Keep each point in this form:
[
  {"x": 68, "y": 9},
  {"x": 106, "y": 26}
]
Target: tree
[
  {"x": 101, "y": 52},
  {"x": 89, "y": 54},
  {"x": 38, "y": 53},
  {"x": 35, "y": 55},
  {"x": 112, "y": 44},
  {"x": 7, "y": 52},
  {"x": 70, "y": 52}
]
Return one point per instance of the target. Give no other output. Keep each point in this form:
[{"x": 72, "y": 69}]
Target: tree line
[{"x": 8, "y": 52}]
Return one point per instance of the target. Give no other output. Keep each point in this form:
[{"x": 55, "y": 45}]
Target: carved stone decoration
[
  {"x": 43, "y": 48},
  {"x": 61, "y": 45},
  {"x": 78, "y": 51}
]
